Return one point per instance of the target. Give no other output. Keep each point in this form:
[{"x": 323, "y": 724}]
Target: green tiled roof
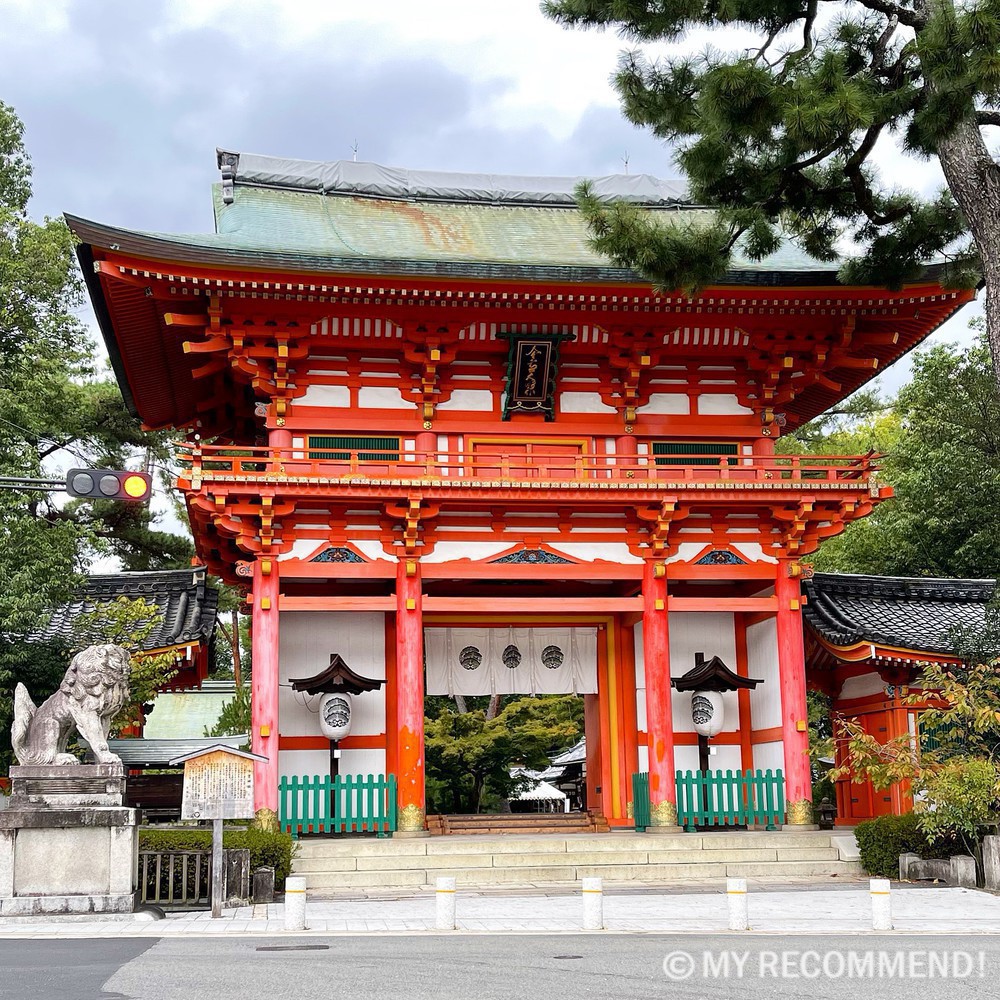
[
  {"x": 367, "y": 219},
  {"x": 383, "y": 229}
]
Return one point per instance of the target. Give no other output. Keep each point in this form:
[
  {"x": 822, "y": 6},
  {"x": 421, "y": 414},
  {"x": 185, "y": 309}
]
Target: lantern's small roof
[
  {"x": 216, "y": 747},
  {"x": 712, "y": 675},
  {"x": 338, "y": 676}
]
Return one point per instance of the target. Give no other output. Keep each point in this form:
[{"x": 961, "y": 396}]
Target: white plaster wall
[
  {"x": 362, "y": 762},
  {"x": 721, "y": 404},
  {"x": 447, "y": 551},
  {"x": 480, "y": 400},
  {"x": 710, "y": 633},
  {"x": 686, "y": 758},
  {"x": 862, "y": 686},
  {"x": 371, "y": 548},
  {"x": 303, "y": 763},
  {"x": 379, "y": 397},
  {"x": 306, "y": 640},
  {"x": 583, "y": 402},
  {"x": 769, "y": 756},
  {"x": 725, "y": 758},
  {"x": 762, "y": 660},
  {"x": 617, "y": 552},
  {"x": 686, "y": 551},
  {"x": 326, "y": 395},
  {"x": 643, "y": 757},
  {"x": 753, "y": 551},
  {"x": 714, "y": 635},
  {"x": 666, "y": 402}
]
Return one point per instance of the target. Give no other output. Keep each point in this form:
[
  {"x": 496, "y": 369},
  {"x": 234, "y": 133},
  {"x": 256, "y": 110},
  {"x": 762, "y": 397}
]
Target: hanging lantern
[
  {"x": 708, "y": 712},
  {"x": 335, "y": 715}
]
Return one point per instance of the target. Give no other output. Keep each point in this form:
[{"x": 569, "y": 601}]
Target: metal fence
[
  {"x": 351, "y": 804},
  {"x": 176, "y": 880}
]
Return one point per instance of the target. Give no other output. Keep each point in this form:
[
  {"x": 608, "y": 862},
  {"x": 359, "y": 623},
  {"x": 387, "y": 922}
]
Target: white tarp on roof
[
  {"x": 347, "y": 177},
  {"x": 542, "y": 792}
]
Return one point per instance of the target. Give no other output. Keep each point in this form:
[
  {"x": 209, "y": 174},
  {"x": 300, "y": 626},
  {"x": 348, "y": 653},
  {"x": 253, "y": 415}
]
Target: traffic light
[{"x": 109, "y": 484}]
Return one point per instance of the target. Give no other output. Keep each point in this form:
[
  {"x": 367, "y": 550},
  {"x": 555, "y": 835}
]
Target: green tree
[
  {"x": 779, "y": 138},
  {"x": 940, "y": 438},
  {"x": 470, "y": 754},
  {"x": 234, "y": 719},
  {"x": 956, "y": 776},
  {"x": 56, "y": 410}
]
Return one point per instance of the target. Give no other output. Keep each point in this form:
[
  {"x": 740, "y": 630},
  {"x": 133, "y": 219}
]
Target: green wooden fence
[
  {"x": 718, "y": 798},
  {"x": 354, "y": 803},
  {"x": 640, "y": 801}
]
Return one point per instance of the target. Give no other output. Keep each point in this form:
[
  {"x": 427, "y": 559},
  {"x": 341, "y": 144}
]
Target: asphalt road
[{"x": 488, "y": 967}]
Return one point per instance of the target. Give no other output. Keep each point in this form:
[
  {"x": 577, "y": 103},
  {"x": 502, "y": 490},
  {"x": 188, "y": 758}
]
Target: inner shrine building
[{"x": 427, "y": 428}]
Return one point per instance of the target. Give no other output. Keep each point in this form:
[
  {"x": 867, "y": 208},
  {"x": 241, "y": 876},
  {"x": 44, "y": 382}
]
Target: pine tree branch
[
  {"x": 988, "y": 118},
  {"x": 904, "y": 16}
]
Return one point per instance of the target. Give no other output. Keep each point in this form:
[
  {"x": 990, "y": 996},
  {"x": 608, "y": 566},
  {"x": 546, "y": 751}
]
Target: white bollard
[
  {"x": 295, "y": 903},
  {"x": 445, "y": 900},
  {"x": 593, "y": 905},
  {"x": 739, "y": 910},
  {"x": 881, "y": 904}
]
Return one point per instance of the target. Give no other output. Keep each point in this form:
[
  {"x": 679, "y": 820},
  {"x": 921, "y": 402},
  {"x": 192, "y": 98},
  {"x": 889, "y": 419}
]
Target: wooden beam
[
  {"x": 337, "y": 603},
  {"x": 533, "y": 605},
  {"x": 530, "y": 571},
  {"x": 768, "y": 604}
]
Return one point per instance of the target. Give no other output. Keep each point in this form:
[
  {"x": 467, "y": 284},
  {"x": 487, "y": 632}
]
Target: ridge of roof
[
  {"x": 947, "y": 590},
  {"x": 350, "y": 178}
]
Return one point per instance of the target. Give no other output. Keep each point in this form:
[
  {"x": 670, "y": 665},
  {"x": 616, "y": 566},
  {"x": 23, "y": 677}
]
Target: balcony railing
[
  {"x": 212, "y": 462},
  {"x": 217, "y": 462}
]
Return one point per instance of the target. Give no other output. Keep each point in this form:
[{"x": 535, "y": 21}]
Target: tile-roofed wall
[
  {"x": 912, "y": 613},
  {"x": 187, "y": 605}
]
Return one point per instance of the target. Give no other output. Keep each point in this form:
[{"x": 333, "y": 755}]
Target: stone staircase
[
  {"x": 482, "y": 860},
  {"x": 518, "y": 823}
]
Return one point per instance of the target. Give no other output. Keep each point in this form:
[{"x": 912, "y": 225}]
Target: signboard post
[{"x": 218, "y": 785}]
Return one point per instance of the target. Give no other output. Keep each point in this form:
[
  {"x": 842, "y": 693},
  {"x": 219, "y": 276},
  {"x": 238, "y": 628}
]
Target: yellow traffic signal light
[{"x": 109, "y": 484}]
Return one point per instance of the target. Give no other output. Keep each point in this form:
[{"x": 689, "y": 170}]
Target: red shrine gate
[{"x": 420, "y": 401}]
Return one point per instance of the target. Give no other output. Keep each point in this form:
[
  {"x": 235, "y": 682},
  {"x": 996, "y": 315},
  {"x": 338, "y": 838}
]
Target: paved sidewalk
[{"x": 804, "y": 911}]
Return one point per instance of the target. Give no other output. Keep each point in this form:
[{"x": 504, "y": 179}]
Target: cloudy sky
[{"x": 125, "y": 101}]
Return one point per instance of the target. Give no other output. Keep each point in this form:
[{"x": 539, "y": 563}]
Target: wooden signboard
[
  {"x": 218, "y": 785},
  {"x": 531, "y": 373}
]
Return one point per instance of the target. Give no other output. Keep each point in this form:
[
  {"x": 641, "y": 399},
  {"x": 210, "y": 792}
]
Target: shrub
[
  {"x": 882, "y": 840},
  {"x": 274, "y": 850}
]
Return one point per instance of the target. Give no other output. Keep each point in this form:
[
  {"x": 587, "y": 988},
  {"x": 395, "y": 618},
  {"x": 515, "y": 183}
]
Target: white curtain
[{"x": 482, "y": 661}]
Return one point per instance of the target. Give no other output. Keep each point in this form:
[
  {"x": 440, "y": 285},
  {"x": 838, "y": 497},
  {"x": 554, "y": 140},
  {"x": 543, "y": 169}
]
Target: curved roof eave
[{"x": 201, "y": 251}]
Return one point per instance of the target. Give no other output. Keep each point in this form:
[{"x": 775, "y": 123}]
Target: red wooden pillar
[
  {"x": 626, "y": 453},
  {"x": 264, "y": 685},
  {"x": 409, "y": 698},
  {"x": 659, "y": 713},
  {"x": 794, "y": 712},
  {"x": 426, "y": 445}
]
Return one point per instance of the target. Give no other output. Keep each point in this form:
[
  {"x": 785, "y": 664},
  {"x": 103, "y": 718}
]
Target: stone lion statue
[{"x": 91, "y": 694}]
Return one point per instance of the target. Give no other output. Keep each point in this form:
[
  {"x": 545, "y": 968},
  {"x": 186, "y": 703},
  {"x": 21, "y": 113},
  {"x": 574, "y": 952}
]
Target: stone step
[
  {"x": 467, "y": 877},
  {"x": 331, "y": 847}
]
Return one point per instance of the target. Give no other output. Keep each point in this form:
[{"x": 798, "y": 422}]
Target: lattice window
[
  {"x": 369, "y": 449},
  {"x": 693, "y": 452}
]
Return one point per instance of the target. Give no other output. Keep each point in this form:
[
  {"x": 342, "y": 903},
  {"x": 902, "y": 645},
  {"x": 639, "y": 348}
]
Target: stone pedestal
[{"x": 67, "y": 845}]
